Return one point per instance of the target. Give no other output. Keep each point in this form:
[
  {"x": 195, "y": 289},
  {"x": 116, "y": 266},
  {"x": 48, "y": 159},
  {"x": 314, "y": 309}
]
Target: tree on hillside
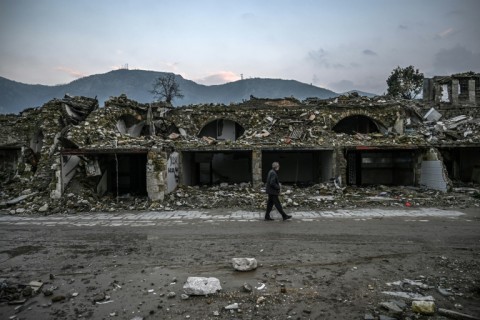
[
  {"x": 166, "y": 88},
  {"x": 405, "y": 83}
]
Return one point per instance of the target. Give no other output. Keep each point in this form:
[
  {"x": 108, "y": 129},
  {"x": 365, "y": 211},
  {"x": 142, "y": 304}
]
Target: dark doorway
[
  {"x": 463, "y": 163},
  {"x": 299, "y": 167},
  {"x": 381, "y": 167},
  {"x": 127, "y": 174},
  {"x": 215, "y": 167}
]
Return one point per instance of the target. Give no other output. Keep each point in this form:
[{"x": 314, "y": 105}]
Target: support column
[
  {"x": 454, "y": 90},
  {"x": 340, "y": 165},
  {"x": 437, "y": 92},
  {"x": 156, "y": 174},
  {"x": 428, "y": 92},
  {"x": 256, "y": 168},
  {"x": 471, "y": 91}
]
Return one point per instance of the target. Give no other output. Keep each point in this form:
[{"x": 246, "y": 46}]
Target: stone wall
[{"x": 156, "y": 174}]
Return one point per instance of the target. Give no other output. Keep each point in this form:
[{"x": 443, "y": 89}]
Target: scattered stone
[
  {"x": 171, "y": 295},
  {"x": 456, "y": 315},
  {"x": 43, "y": 208},
  {"x": 201, "y": 286},
  {"x": 423, "y": 307},
  {"x": 368, "y": 316},
  {"x": 261, "y": 300},
  {"x": 444, "y": 292},
  {"x": 184, "y": 296},
  {"x": 247, "y": 287},
  {"x": 409, "y": 295},
  {"x": 392, "y": 307},
  {"x": 98, "y": 297},
  {"x": 233, "y": 306},
  {"x": 244, "y": 264},
  {"x": 47, "y": 292}
]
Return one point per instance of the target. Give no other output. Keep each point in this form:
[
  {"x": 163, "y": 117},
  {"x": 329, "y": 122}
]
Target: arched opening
[
  {"x": 130, "y": 125},
  {"x": 222, "y": 129},
  {"x": 357, "y": 124}
]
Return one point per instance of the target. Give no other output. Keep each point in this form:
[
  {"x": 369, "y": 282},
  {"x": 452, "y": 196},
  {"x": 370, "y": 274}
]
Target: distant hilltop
[{"x": 136, "y": 84}]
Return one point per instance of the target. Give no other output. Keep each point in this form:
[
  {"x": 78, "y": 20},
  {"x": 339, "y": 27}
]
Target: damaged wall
[{"x": 156, "y": 174}]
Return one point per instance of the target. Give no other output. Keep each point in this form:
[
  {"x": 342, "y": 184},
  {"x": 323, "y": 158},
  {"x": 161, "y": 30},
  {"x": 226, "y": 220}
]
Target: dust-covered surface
[{"x": 325, "y": 268}]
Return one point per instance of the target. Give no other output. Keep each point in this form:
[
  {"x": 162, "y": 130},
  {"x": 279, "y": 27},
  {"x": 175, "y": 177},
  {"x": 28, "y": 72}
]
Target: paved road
[
  {"x": 181, "y": 217},
  {"x": 334, "y": 264}
]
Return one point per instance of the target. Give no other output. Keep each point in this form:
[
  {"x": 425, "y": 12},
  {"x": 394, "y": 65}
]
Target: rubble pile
[
  {"x": 99, "y": 130},
  {"x": 45, "y": 138},
  {"x": 320, "y": 196},
  {"x": 18, "y": 293},
  {"x": 430, "y": 295},
  {"x": 454, "y": 130},
  {"x": 244, "y": 196}
]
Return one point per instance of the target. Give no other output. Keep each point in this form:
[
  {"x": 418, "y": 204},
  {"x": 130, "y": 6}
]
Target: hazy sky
[{"x": 338, "y": 44}]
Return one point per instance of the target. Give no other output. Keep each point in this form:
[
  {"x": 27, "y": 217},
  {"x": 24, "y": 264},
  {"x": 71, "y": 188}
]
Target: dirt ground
[{"x": 328, "y": 268}]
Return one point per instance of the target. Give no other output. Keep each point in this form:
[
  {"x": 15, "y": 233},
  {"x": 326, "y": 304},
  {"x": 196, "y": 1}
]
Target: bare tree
[{"x": 166, "y": 88}]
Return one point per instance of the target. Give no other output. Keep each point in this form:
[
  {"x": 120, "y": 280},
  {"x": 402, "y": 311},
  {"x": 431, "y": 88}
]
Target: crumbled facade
[{"x": 151, "y": 156}]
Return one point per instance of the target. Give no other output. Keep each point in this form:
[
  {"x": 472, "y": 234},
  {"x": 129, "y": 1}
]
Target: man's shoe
[
  {"x": 286, "y": 217},
  {"x": 268, "y": 219}
]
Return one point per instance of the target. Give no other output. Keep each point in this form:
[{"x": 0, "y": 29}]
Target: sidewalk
[{"x": 182, "y": 217}]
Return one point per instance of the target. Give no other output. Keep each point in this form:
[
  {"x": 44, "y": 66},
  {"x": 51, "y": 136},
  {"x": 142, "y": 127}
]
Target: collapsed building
[{"x": 72, "y": 154}]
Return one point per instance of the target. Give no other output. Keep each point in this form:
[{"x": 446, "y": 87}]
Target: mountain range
[{"x": 137, "y": 84}]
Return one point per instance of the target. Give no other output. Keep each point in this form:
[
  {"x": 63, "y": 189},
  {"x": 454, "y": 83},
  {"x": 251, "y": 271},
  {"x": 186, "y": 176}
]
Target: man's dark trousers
[{"x": 273, "y": 200}]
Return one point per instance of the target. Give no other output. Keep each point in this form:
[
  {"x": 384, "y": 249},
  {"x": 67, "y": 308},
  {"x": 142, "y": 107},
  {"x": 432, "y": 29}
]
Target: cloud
[
  {"x": 455, "y": 60},
  {"x": 219, "y": 78},
  {"x": 445, "y": 33},
  {"x": 73, "y": 73},
  {"x": 369, "y": 52},
  {"x": 321, "y": 58},
  {"x": 402, "y": 27}
]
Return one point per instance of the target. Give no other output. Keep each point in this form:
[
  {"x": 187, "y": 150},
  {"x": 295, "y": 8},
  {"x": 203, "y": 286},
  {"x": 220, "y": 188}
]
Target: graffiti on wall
[{"x": 172, "y": 172}]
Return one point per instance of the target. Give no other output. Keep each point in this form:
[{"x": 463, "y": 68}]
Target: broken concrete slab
[
  {"x": 201, "y": 286},
  {"x": 432, "y": 115},
  {"x": 20, "y": 199}
]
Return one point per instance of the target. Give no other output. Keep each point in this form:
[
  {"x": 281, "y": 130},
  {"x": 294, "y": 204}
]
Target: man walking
[{"x": 273, "y": 190}]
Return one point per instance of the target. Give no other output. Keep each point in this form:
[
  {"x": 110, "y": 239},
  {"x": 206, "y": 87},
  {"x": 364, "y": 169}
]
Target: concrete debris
[
  {"x": 201, "y": 286},
  {"x": 409, "y": 295},
  {"x": 233, "y": 306},
  {"x": 244, "y": 264},
  {"x": 392, "y": 307},
  {"x": 423, "y": 307},
  {"x": 432, "y": 115},
  {"x": 247, "y": 287},
  {"x": 133, "y": 156},
  {"x": 456, "y": 315},
  {"x": 409, "y": 282},
  {"x": 17, "y": 293}
]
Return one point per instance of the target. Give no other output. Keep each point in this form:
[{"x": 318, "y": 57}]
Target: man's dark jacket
[{"x": 273, "y": 187}]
